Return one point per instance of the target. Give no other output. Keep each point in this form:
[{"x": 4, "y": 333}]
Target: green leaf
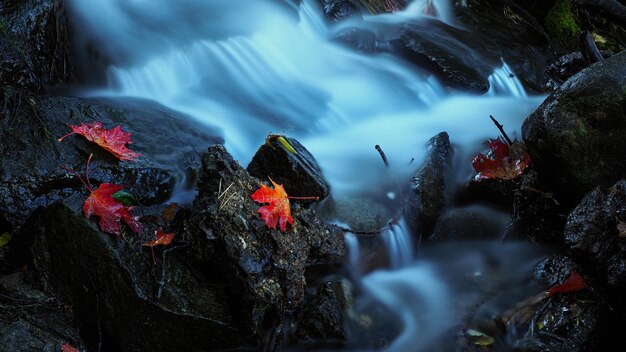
[
  {"x": 5, "y": 238},
  {"x": 283, "y": 141},
  {"x": 125, "y": 198},
  {"x": 480, "y": 338}
]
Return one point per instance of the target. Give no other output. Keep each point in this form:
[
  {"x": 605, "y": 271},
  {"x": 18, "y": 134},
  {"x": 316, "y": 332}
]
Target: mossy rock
[{"x": 561, "y": 23}]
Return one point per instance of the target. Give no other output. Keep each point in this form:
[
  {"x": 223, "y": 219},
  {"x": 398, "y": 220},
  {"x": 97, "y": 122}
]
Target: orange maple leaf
[
  {"x": 113, "y": 140},
  {"x": 504, "y": 162},
  {"x": 162, "y": 238},
  {"x": 278, "y": 209},
  {"x": 111, "y": 212}
]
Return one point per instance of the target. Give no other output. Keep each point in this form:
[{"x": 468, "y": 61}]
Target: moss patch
[{"x": 561, "y": 22}]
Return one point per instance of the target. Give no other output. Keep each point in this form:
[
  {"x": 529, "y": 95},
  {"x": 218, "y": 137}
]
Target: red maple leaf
[
  {"x": 162, "y": 238},
  {"x": 111, "y": 212},
  {"x": 278, "y": 209},
  {"x": 574, "y": 282},
  {"x": 66, "y": 347},
  {"x": 113, "y": 140},
  {"x": 504, "y": 162}
]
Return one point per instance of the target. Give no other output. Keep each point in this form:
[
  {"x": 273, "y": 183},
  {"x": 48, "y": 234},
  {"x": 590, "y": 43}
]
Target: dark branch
[
  {"x": 501, "y": 128},
  {"x": 589, "y": 49},
  {"x": 382, "y": 155}
]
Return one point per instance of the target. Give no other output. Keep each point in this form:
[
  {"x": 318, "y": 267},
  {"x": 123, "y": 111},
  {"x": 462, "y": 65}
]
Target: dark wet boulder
[
  {"x": 577, "y": 137},
  {"x": 566, "y": 66},
  {"x": 32, "y": 321},
  {"x": 426, "y": 199},
  {"x": 362, "y": 40},
  {"x": 572, "y": 321},
  {"x": 119, "y": 297},
  {"x": 591, "y": 232},
  {"x": 266, "y": 267},
  {"x": 289, "y": 163},
  {"x": 34, "y": 41},
  {"x": 537, "y": 216},
  {"x": 491, "y": 25},
  {"x": 32, "y": 170},
  {"x": 469, "y": 224},
  {"x": 324, "y": 315},
  {"x": 443, "y": 50}
]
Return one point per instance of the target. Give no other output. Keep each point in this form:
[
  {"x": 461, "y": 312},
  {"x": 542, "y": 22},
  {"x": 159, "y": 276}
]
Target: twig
[
  {"x": 501, "y": 128},
  {"x": 382, "y": 155}
]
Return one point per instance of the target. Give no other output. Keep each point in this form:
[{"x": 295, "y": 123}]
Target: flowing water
[{"x": 251, "y": 67}]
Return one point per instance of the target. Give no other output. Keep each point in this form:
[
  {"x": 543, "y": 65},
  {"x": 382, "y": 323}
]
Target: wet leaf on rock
[
  {"x": 277, "y": 208},
  {"x": 621, "y": 228},
  {"x": 162, "y": 239},
  {"x": 574, "y": 282},
  {"x": 479, "y": 338},
  {"x": 503, "y": 161},
  {"x": 5, "y": 239},
  {"x": 111, "y": 212},
  {"x": 66, "y": 347},
  {"x": 113, "y": 140}
]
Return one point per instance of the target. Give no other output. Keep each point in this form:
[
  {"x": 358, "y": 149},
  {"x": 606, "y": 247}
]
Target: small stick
[
  {"x": 382, "y": 155},
  {"x": 501, "y": 128}
]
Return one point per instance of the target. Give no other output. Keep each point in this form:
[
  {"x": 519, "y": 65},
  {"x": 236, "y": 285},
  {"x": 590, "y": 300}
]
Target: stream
[{"x": 251, "y": 67}]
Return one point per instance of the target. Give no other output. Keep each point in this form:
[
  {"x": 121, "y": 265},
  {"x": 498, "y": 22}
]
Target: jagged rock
[
  {"x": 119, "y": 296},
  {"x": 471, "y": 223},
  {"x": 32, "y": 321},
  {"x": 591, "y": 233},
  {"x": 34, "y": 44},
  {"x": 361, "y": 40},
  {"x": 296, "y": 169},
  {"x": 567, "y": 66},
  {"x": 266, "y": 267},
  {"x": 323, "y": 317},
  {"x": 31, "y": 170},
  {"x": 571, "y": 321},
  {"x": 426, "y": 199},
  {"x": 577, "y": 137},
  {"x": 536, "y": 215}
]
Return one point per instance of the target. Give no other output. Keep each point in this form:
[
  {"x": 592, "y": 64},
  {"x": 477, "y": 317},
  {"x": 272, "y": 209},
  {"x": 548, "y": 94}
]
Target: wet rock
[
  {"x": 266, "y": 267},
  {"x": 491, "y": 25},
  {"x": 360, "y": 214},
  {"x": 571, "y": 321},
  {"x": 469, "y": 224},
  {"x": 537, "y": 215},
  {"x": 35, "y": 44},
  {"x": 576, "y": 138},
  {"x": 567, "y": 66},
  {"x": 287, "y": 162},
  {"x": 31, "y": 171},
  {"x": 323, "y": 317},
  {"x": 337, "y": 10},
  {"x": 120, "y": 298},
  {"x": 32, "y": 321},
  {"x": 443, "y": 51},
  {"x": 362, "y": 40},
  {"x": 591, "y": 233},
  {"x": 427, "y": 196},
  {"x": 493, "y": 191}
]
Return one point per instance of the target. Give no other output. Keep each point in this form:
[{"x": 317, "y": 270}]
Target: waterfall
[{"x": 251, "y": 67}]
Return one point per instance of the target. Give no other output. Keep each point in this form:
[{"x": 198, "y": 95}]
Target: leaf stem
[
  {"x": 87, "y": 173},
  {"x": 304, "y": 198},
  {"x": 62, "y": 138}
]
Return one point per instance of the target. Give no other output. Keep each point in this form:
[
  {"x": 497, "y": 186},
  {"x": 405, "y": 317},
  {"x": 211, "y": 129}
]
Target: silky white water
[{"x": 251, "y": 67}]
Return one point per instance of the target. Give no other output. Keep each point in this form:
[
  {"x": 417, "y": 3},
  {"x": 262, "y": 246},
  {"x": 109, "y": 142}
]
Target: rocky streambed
[{"x": 229, "y": 282}]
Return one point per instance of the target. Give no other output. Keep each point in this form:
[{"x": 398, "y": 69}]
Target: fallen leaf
[
  {"x": 621, "y": 227},
  {"x": 480, "y": 338},
  {"x": 170, "y": 212},
  {"x": 504, "y": 162},
  {"x": 277, "y": 208},
  {"x": 162, "y": 238},
  {"x": 111, "y": 212},
  {"x": 4, "y": 239},
  {"x": 66, "y": 347},
  {"x": 574, "y": 282},
  {"x": 113, "y": 140}
]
